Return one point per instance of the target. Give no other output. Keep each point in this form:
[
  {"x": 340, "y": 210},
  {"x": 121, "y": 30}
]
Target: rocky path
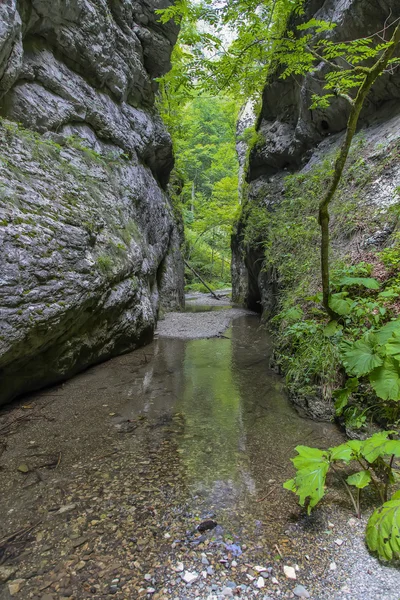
[{"x": 159, "y": 475}]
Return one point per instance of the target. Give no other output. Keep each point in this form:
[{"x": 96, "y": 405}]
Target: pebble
[
  {"x": 260, "y": 582},
  {"x": 227, "y": 592},
  {"x": 289, "y": 572},
  {"x": 339, "y": 542},
  {"x": 332, "y": 566},
  {"x": 190, "y": 577},
  {"x": 15, "y": 586},
  {"x": 147, "y": 577},
  {"x": 210, "y": 571},
  {"x": 6, "y": 573},
  {"x": 301, "y": 592}
]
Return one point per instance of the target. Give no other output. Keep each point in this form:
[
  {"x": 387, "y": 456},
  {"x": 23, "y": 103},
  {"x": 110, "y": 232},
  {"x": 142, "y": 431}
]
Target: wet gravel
[{"x": 106, "y": 479}]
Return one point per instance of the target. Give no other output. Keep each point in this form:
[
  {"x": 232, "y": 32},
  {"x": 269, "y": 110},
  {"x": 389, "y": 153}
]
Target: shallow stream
[{"x": 123, "y": 462}]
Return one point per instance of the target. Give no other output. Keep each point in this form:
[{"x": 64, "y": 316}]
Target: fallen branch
[
  {"x": 202, "y": 281},
  {"x": 18, "y": 533}
]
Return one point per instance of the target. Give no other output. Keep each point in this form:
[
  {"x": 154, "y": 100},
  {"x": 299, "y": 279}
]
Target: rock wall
[
  {"x": 291, "y": 136},
  {"x": 89, "y": 243}
]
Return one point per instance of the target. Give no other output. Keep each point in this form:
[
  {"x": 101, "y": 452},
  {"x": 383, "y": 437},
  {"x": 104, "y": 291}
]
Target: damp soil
[{"x": 106, "y": 478}]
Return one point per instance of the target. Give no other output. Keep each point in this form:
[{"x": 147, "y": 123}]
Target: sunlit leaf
[
  {"x": 360, "y": 480},
  {"x": 383, "y": 529}
]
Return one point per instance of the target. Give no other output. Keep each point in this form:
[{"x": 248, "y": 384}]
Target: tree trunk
[{"x": 371, "y": 75}]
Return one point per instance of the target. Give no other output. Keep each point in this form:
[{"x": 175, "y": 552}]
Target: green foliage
[
  {"x": 375, "y": 455},
  {"x": 206, "y": 180},
  {"x": 383, "y": 529}
]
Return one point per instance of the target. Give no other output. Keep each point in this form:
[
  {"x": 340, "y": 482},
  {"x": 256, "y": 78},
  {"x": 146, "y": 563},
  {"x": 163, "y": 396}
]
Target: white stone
[
  {"x": 301, "y": 592},
  {"x": 260, "y": 582},
  {"x": 179, "y": 567},
  {"x": 274, "y": 581},
  {"x": 339, "y": 542},
  {"x": 332, "y": 566},
  {"x": 289, "y": 572},
  {"x": 190, "y": 577},
  {"x": 147, "y": 577}
]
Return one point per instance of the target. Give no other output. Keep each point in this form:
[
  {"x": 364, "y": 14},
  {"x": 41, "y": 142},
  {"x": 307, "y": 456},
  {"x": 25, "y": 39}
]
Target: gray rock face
[
  {"x": 89, "y": 243},
  {"x": 292, "y": 139},
  {"x": 290, "y": 129}
]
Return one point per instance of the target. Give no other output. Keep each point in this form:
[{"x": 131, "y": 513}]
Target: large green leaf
[
  {"x": 386, "y": 332},
  {"x": 367, "y": 282},
  {"x": 375, "y": 446},
  {"x": 392, "y": 346},
  {"x": 343, "y": 452},
  {"x": 383, "y": 529},
  {"x": 386, "y": 380},
  {"x": 342, "y": 395},
  {"x": 312, "y": 466},
  {"x": 362, "y": 357},
  {"x": 340, "y": 304},
  {"x": 360, "y": 480}
]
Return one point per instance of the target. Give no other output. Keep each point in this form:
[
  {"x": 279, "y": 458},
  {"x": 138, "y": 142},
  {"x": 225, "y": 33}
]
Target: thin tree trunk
[
  {"x": 202, "y": 281},
  {"x": 371, "y": 75}
]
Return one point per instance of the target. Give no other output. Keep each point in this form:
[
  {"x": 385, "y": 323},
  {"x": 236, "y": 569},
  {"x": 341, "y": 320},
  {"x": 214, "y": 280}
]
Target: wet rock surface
[
  {"x": 90, "y": 247},
  {"x": 105, "y": 510}
]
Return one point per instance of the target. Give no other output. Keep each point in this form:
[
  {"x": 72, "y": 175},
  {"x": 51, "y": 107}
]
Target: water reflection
[{"x": 240, "y": 430}]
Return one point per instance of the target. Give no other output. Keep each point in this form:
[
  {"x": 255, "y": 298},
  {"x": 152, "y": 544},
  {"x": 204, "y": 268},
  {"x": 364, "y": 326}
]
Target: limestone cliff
[
  {"x": 89, "y": 244},
  {"x": 289, "y": 134},
  {"x": 294, "y": 149}
]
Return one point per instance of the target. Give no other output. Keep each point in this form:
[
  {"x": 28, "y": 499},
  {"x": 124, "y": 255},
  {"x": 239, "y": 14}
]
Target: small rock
[
  {"x": 289, "y": 572},
  {"x": 204, "y": 560},
  {"x": 274, "y": 581},
  {"x": 301, "y": 592},
  {"x": 234, "y": 564},
  {"x": 6, "y": 573},
  {"x": 147, "y": 577},
  {"x": 332, "y": 566},
  {"x": 179, "y": 567},
  {"x": 190, "y": 577},
  {"x": 339, "y": 542},
  {"x": 260, "y": 582},
  {"x": 330, "y": 525},
  {"x": 15, "y": 586},
  {"x": 206, "y": 525},
  {"x": 66, "y": 508},
  {"x": 210, "y": 571},
  {"x": 227, "y": 592},
  {"x": 150, "y": 590}
]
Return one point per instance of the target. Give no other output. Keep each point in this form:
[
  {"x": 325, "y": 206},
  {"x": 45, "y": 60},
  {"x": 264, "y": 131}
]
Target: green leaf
[
  {"x": 393, "y": 346},
  {"x": 362, "y": 356},
  {"x": 356, "y": 446},
  {"x": 393, "y": 447},
  {"x": 342, "y": 395},
  {"x": 312, "y": 466},
  {"x": 386, "y": 332},
  {"x": 294, "y": 314},
  {"x": 383, "y": 529},
  {"x": 360, "y": 480},
  {"x": 340, "y": 305},
  {"x": 343, "y": 452},
  {"x": 290, "y": 485},
  {"x": 367, "y": 282},
  {"x": 386, "y": 380},
  {"x": 374, "y": 446},
  {"x": 332, "y": 328}
]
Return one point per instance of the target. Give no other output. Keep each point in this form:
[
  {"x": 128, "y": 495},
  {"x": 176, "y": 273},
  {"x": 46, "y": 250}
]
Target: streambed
[{"x": 114, "y": 470}]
